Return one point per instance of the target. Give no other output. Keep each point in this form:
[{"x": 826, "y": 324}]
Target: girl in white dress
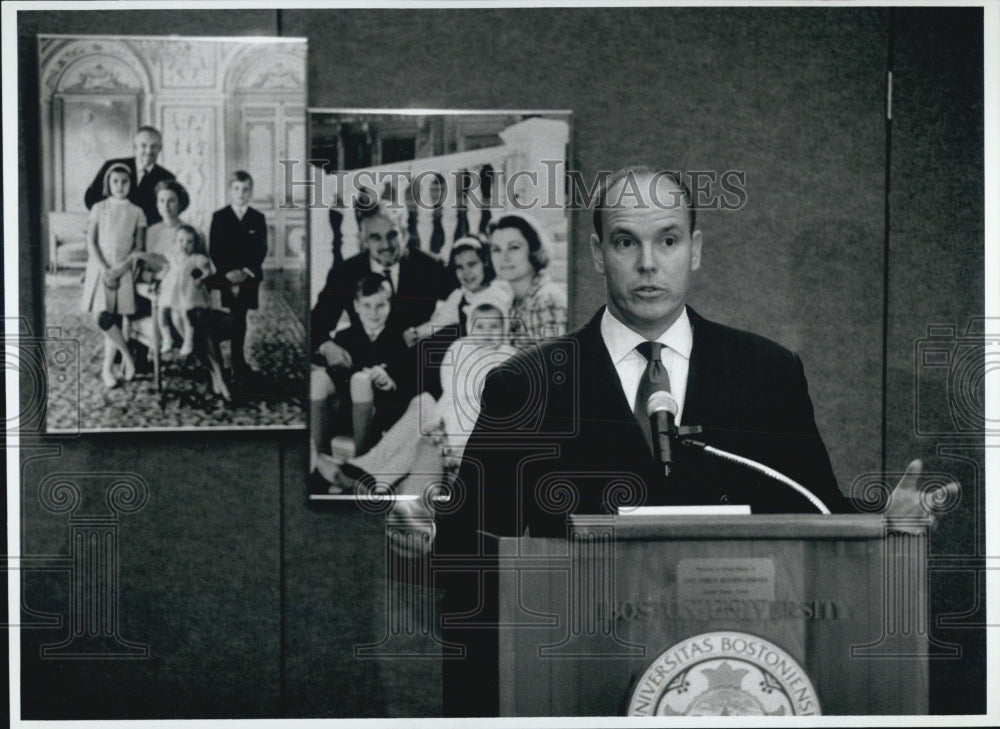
[{"x": 115, "y": 239}]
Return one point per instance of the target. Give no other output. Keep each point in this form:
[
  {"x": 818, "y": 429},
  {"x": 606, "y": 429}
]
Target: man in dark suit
[
  {"x": 559, "y": 432},
  {"x": 144, "y": 171},
  {"x": 578, "y": 396},
  {"x": 418, "y": 282},
  {"x": 238, "y": 246}
]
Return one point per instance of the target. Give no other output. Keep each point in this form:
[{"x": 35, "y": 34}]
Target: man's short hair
[
  {"x": 367, "y": 207},
  {"x": 146, "y": 129},
  {"x": 240, "y": 176},
  {"x": 372, "y": 283},
  {"x": 634, "y": 171},
  {"x": 183, "y": 199}
]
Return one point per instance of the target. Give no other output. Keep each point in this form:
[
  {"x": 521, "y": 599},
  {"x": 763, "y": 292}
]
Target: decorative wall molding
[{"x": 91, "y": 66}]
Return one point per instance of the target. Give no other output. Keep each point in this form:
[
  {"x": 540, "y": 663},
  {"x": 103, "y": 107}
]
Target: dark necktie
[
  {"x": 387, "y": 272},
  {"x": 654, "y": 379},
  {"x": 437, "y": 233}
]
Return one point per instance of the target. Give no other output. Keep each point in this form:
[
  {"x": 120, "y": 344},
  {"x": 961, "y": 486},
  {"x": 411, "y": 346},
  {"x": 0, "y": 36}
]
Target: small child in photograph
[
  {"x": 429, "y": 439},
  {"x": 115, "y": 238},
  {"x": 190, "y": 267},
  {"x": 237, "y": 242},
  {"x": 381, "y": 380}
]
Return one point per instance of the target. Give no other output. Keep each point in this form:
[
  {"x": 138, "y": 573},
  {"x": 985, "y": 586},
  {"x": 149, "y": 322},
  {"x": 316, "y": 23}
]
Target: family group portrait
[
  {"x": 170, "y": 259},
  {"x": 440, "y": 250}
]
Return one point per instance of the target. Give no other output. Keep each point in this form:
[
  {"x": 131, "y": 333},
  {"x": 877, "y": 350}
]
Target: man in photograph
[
  {"x": 144, "y": 170},
  {"x": 417, "y": 282}
]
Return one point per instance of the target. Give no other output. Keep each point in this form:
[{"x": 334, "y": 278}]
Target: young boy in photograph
[
  {"x": 238, "y": 246},
  {"x": 377, "y": 386}
]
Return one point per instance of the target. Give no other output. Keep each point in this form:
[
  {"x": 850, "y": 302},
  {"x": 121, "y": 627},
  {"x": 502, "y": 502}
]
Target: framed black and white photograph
[
  {"x": 169, "y": 259},
  {"x": 424, "y": 225}
]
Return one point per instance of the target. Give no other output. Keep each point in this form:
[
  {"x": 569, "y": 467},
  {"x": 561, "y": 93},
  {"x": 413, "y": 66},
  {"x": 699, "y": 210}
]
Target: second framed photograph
[{"x": 438, "y": 248}]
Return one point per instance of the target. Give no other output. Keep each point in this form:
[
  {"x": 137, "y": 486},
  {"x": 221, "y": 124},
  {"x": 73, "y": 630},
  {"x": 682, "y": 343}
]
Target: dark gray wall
[{"x": 251, "y": 602}]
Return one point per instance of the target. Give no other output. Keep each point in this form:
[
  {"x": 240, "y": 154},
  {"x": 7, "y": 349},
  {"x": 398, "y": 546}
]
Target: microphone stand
[{"x": 759, "y": 468}]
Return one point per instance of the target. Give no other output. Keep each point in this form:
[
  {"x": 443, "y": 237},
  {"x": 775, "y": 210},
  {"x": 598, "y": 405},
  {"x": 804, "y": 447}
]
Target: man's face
[
  {"x": 383, "y": 239},
  {"x": 646, "y": 253},
  {"x": 147, "y": 148},
  {"x": 373, "y": 310},
  {"x": 240, "y": 192}
]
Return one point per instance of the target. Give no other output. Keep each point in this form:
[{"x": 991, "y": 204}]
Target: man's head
[
  {"x": 383, "y": 232},
  {"x": 373, "y": 301},
  {"x": 240, "y": 189},
  {"x": 646, "y": 247},
  {"x": 147, "y": 144}
]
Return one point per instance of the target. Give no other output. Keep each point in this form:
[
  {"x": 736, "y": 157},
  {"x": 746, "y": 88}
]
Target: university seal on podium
[{"x": 724, "y": 674}]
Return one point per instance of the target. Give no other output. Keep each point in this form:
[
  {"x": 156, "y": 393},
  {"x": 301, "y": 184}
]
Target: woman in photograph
[
  {"x": 519, "y": 251},
  {"x": 171, "y": 200}
]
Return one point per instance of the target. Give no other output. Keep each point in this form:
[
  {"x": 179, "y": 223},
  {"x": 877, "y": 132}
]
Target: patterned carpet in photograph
[{"x": 77, "y": 400}]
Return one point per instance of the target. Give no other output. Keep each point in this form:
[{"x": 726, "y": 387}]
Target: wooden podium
[{"x": 768, "y": 614}]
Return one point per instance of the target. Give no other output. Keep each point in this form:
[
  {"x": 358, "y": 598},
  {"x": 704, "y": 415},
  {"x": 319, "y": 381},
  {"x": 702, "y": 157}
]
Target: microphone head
[{"x": 660, "y": 401}]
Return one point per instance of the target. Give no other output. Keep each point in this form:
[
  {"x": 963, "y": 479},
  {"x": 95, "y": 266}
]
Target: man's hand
[
  {"x": 411, "y": 529},
  {"x": 335, "y": 355},
  {"x": 410, "y": 336},
  {"x": 236, "y": 277},
  {"x": 907, "y": 501}
]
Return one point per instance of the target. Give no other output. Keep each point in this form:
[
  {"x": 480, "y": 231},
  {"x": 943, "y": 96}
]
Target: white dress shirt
[
  {"x": 676, "y": 356},
  {"x": 393, "y": 272},
  {"x": 240, "y": 212},
  {"x": 140, "y": 172}
]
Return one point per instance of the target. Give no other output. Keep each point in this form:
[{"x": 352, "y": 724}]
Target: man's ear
[
  {"x": 354, "y": 303},
  {"x": 695, "y": 250},
  {"x": 597, "y": 252}
]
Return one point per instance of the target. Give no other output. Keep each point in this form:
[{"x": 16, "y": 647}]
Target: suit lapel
[
  {"x": 605, "y": 409},
  {"x": 695, "y": 397}
]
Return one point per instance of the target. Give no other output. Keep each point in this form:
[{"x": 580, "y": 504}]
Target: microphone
[{"x": 661, "y": 407}]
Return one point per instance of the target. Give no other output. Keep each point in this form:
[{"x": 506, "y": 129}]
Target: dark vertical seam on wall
[
  {"x": 890, "y": 50},
  {"x": 282, "y": 578},
  {"x": 282, "y": 586}
]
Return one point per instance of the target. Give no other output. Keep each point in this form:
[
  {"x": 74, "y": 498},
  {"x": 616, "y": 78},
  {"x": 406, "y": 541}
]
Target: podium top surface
[{"x": 759, "y": 526}]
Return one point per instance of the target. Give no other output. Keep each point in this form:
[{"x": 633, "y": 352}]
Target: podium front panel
[{"x": 782, "y": 615}]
